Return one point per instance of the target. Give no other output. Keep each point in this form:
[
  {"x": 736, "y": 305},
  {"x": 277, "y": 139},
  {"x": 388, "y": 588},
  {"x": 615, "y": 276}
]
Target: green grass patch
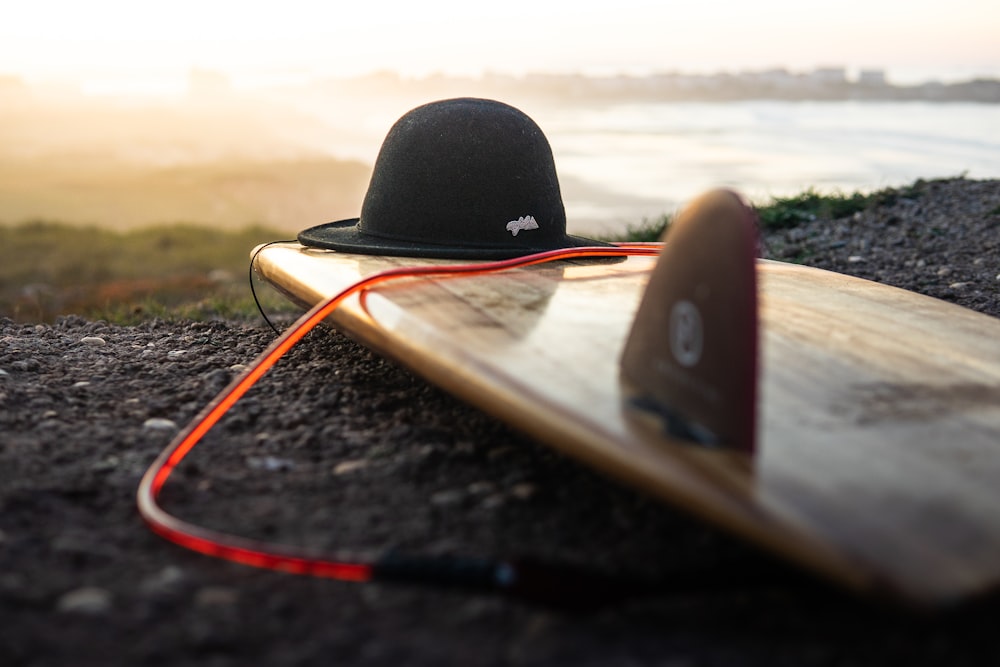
[
  {"x": 222, "y": 303},
  {"x": 779, "y": 213},
  {"x": 179, "y": 271},
  {"x": 647, "y": 230},
  {"x": 784, "y": 212}
]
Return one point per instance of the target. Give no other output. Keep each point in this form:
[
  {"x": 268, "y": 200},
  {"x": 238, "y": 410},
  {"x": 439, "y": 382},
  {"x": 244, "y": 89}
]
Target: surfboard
[{"x": 876, "y": 460}]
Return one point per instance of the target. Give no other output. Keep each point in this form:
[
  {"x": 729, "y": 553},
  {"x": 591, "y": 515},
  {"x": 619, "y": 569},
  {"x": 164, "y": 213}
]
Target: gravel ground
[
  {"x": 940, "y": 238},
  {"x": 338, "y": 448}
]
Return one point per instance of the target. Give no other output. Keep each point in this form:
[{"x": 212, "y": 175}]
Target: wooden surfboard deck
[{"x": 878, "y": 455}]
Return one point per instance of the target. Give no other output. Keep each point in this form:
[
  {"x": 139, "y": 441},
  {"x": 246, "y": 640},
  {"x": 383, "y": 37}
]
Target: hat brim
[{"x": 344, "y": 236}]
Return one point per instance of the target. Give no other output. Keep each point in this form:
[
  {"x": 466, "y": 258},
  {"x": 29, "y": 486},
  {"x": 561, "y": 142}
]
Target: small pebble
[
  {"x": 797, "y": 235},
  {"x": 855, "y": 259},
  {"x": 104, "y": 465},
  {"x": 96, "y": 341},
  {"x": 89, "y": 600},
  {"x": 493, "y": 502},
  {"x": 523, "y": 491},
  {"x": 958, "y": 285},
  {"x": 216, "y": 596},
  {"x": 238, "y": 368},
  {"x": 78, "y": 544},
  {"x": 159, "y": 424},
  {"x": 481, "y": 488},
  {"x": 423, "y": 451},
  {"x": 944, "y": 271},
  {"x": 269, "y": 463},
  {"x": 82, "y": 383},
  {"x": 446, "y": 498},
  {"x": 173, "y": 354},
  {"x": 166, "y": 581},
  {"x": 345, "y": 467}
]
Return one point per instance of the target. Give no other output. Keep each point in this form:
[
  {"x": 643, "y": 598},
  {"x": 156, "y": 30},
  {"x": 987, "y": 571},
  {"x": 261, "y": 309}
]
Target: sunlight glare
[{"x": 110, "y": 41}]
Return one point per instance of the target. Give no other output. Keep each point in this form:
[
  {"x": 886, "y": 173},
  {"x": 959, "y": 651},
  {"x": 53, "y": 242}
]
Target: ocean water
[{"x": 621, "y": 164}]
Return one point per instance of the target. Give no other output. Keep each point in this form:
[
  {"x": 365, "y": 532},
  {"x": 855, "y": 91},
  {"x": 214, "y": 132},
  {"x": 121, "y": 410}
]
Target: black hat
[{"x": 457, "y": 179}]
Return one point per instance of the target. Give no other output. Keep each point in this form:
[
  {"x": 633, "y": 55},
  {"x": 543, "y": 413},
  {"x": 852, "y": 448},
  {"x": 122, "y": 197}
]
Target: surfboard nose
[{"x": 691, "y": 354}]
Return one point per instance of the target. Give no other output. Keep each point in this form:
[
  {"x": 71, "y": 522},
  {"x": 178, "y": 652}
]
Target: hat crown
[{"x": 465, "y": 172}]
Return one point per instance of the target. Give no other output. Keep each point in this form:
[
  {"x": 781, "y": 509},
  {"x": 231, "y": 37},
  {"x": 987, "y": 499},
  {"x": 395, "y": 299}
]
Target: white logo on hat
[{"x": 524, "y": 222}]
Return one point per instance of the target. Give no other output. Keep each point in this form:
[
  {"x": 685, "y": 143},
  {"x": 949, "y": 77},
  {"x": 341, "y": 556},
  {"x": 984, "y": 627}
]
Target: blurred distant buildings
[
  {"x": 824, "y": 83},
  {"x": 872, "y": 77}
]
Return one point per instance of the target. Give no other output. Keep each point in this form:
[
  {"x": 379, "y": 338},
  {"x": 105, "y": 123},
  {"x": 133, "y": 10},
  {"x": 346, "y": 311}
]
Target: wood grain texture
[{"x": 878, "y": 459}]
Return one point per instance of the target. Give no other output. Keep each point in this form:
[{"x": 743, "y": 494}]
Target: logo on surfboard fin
[{"x": 691, "y": 355}]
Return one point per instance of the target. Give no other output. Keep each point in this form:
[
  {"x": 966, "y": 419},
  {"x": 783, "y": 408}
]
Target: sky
[{"x": 136, "y": 43}]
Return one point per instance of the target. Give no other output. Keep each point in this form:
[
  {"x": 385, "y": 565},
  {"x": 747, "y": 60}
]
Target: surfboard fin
[{"x": 691, "y": 355}]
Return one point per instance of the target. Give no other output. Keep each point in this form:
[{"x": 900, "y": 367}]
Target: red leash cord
[{"x": 508, "y": 576}]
